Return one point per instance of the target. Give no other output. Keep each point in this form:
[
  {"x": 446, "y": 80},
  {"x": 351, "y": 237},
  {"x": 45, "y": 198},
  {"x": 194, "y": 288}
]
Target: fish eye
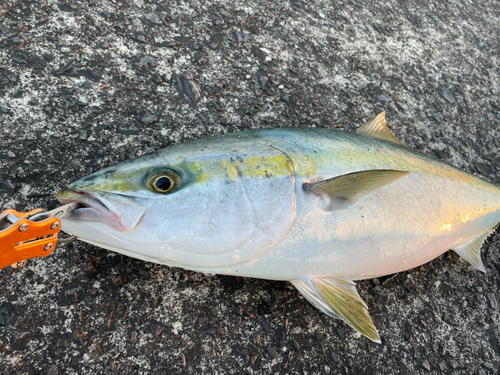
[
  {"x": 163, "y": 181},
  {"x": 163, "y": 184}
]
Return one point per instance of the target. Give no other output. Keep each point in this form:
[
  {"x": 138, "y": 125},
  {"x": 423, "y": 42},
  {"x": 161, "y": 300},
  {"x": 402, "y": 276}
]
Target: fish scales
[
  {"x": 404, "y": 225},
  {"x": 317, "y": 207}
]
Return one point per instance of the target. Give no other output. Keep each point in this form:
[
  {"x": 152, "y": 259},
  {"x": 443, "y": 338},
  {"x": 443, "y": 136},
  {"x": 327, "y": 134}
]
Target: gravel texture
[{"x": 85, "y": 84}]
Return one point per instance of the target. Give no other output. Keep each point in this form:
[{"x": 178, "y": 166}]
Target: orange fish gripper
[{"x": 32, "y": 234}]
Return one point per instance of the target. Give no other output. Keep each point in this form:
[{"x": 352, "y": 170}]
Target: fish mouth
[{"x": 90, "y": 208}]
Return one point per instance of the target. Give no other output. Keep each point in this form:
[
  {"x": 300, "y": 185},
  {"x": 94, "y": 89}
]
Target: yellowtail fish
[{"x": 317, "y": 207}]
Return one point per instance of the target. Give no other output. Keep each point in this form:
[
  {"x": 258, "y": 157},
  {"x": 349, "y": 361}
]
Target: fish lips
[{"x": 120, "y": 212}]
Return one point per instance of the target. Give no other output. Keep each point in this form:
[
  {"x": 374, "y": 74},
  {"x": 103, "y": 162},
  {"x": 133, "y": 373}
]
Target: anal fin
[
  {"x": 470, "y": 251},
  {"x": 339, "y": 298},
  {"x": 315, "y": 300}
]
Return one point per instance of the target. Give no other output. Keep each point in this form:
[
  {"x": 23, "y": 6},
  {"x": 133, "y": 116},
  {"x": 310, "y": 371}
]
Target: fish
[{"x": 320, "y": 208}]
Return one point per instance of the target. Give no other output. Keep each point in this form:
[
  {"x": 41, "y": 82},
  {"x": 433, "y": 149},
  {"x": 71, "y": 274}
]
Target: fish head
[{"x": 196, "y": 205}]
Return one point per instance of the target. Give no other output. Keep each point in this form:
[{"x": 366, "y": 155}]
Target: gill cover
[{"x": 244, "y": 204}]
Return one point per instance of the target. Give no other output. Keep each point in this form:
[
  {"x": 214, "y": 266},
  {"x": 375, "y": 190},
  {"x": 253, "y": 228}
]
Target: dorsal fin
[
  {"x": 377, "y": 128},
  {"x": 471, "y": 250}
]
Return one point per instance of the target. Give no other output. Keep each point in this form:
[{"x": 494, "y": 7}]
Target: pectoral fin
[
  {"x": 339, "y": 298},
  {"x": 349, "y": 188},
  {"x": 377, "y": 128},
  {"x": 471, "y": 250}
]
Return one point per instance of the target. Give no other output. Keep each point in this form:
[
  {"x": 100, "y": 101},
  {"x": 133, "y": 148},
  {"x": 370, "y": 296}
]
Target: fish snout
[{"x": 120, "y": 212}]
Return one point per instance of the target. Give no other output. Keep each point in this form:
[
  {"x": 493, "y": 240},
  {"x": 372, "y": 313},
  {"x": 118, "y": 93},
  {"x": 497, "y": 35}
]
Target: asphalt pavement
[{"x": 85, "y": 84}]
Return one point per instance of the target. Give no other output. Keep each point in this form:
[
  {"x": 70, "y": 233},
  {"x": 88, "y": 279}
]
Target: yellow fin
[
  {"x": 377, "y": 128},
  {"x": 349, "y": 188},
  {"x": 339, "y": 296},
  {"x": 471, "y": 250},
  {"x": 315, "y": 300}
]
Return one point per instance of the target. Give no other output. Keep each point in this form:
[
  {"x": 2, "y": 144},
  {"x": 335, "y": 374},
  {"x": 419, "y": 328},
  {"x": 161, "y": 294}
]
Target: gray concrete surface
[{"x": 84, "y": 84}]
